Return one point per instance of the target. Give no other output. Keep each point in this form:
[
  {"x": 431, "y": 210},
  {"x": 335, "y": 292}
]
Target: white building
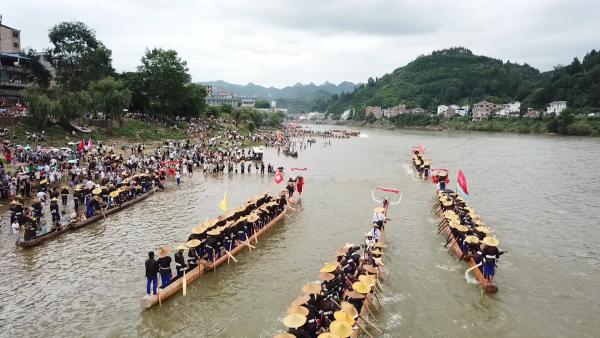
[
  {"x": 461, "y": 110},
  {"x": 442, "y": 109},
  {"x": 247, "y": 103},
  {"x": 556, "y": 107},
  {"x": 346, "y": 115},
  {"x": 509, "y": 109}
]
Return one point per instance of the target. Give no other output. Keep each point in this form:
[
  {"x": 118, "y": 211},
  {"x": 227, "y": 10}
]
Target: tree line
[{"x": 86, "y": 82}]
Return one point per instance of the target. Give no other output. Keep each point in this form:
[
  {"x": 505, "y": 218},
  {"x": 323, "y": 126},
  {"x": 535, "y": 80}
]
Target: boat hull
[
  {"x": 51, "y": 235},
  {"x": 164, "y": 293}
]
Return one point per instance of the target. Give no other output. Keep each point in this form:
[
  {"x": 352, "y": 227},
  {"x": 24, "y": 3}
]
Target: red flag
[
  {"x": 299, "y": 169},
  {"x": 80, "y": 146},
  {"x": 461, "y": 183},
  {"x": 278, "y": 177}
]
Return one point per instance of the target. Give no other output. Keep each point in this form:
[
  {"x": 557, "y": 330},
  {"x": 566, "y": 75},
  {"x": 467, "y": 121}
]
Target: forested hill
[
  {"x": 296, "y": 91},
  {"x": 452, "y": 75}
]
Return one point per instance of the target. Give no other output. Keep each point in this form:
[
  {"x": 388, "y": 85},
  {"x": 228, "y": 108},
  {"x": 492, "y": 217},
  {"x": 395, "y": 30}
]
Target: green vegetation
[
  {"x": 448, "y": 76},
  {"x": 570, "y": 122}
]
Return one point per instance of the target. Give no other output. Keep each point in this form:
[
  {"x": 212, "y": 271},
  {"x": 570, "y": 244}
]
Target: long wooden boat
[
  {"x": 192, "y": 274},
  {"x": 487, "y": 285},
  {"x": 38, "y": 240},
  {"x": 368, "y": 300}
]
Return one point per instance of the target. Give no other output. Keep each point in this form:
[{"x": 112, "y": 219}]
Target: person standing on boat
[
  {"x": 164, "y": 264},
  {"x": 489, "y": 255},
  {"x": 151, "y": 272},
  {"x": 180, "y": 265},
  {"x": 64, "y": 194}
]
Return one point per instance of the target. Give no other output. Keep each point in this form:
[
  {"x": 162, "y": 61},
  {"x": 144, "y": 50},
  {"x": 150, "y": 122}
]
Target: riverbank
[{"x": 569, "y": 125}]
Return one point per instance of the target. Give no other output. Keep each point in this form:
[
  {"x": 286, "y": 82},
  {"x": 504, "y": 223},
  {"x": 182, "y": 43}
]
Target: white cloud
[{"x": 283, "y": 42}]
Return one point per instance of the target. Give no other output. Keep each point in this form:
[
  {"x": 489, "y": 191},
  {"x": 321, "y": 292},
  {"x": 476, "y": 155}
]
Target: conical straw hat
[
  {"x": 301, "y": 310},
  {"x": 311, "y": 288},
  {"x": 361, "y": 287},
  {"x": 340, "y": 328},
  {"x": 294, "y": 320},
  {"x": 193, "y": 243},
  {"x": 349, "y": 309},
  {"x": 341, "y": 315},
  {"x": 491, "y": 241}
]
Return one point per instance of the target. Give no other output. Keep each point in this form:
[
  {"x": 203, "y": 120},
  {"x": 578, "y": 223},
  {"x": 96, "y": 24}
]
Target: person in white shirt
[
  {"x": 41, "y": 196},
  {"x": 16, "y": 231}
]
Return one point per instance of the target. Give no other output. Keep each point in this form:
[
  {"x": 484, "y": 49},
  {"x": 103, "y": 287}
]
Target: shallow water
[{"x": 538, "y": 192}]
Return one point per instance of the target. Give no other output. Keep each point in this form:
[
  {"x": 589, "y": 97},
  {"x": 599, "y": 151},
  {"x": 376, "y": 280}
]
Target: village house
[
  {"x": 375, "y": 110},
  {"x": 484, "y": 109},
  {"x": 393, "y": 111},
  {"x": 452, "y": 110},
  {"x": 556, "y": 107},
  {"x": 509, "y": 109},
  {"x": 532, "y": 113}
]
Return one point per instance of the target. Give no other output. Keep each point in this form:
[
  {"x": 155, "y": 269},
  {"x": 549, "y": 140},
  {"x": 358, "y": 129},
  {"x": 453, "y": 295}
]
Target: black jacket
[{"x": 151, "y": 267}]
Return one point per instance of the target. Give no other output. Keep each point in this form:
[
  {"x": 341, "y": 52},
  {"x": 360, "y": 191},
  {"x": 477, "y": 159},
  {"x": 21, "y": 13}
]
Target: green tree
[
  {"x": 134, "y": 81},
  {"x": 72, "y": 105},
  {"x": 264, "y": 104},
  {"x": 78, "y": 57},
  {"x": 39, "y": 105},
  {"x": 227, "y": 109},
  {"x": 165, "y": 76},
  {"x": 192, "y": 102},
  {"x": 110, "y": 97}
]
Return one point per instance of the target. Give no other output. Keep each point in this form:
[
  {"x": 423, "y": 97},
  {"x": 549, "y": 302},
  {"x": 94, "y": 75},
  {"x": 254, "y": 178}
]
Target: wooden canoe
[
  {"x": 38, "y": 240},
  {"x": 487, "y": 285},
  {"x": 363, "y": 310},
  {"x": 191, "y": 275}
]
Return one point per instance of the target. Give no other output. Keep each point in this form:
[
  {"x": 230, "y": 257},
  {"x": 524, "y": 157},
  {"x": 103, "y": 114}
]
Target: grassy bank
[{"x": 134, "y": 131}]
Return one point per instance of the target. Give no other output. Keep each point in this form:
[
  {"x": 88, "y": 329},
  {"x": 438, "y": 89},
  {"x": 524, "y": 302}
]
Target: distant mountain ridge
[{"x": 296, "y": 91}]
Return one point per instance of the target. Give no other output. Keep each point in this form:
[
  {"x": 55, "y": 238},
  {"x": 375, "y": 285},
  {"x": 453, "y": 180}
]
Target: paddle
[
  {"x": 158, "y": 294},
  {"x": 230, "y": 256},
  {"x": 364, "y": 330},
  {"x": 214, "y": 260},
  {"x": 249, "y": 245},
  {"x": 471, "y": 269},
  {"x": 184, "y": 284},
  {"x": 360, "y": 316}
]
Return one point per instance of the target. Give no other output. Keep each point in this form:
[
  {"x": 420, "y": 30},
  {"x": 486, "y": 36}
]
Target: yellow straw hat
[
  {"x": 44, "y": 181},
  {"x": 379, "y": 210},
  {"x": 301, "y": 310},
  {"x": 349, "y": 309},
  {"x": 252, "y": 218},
  {"x": 454, "y": 223},
  {"x": 472, "y": 239},
  {"x": 324, "y": 276},
  {"x": 114, "y": 194},
  {"x": 462, "y": 228},
  {"x": 284, "y": 335},
  {"x": 198, "y": 230},
  {"x": 214, "y": 232},
  {"x": 311, "y": 288},
  {"x": 484, "y": 229},
  {"x": 327, "y": 335},
  {"x": 164, "y": 251},
  {"x": 491, "y": 241},
  {"x": 447, "y": 203},
  {"x": 294, "y": 320},
  {"x": 367, "y": 279},
  {"x": 193, "y": 243},
  {"x": 96, "y": 191},
  {"x": 341, "y": 315},
  {"x": 340, "y": 328},
  {"x": 300, "y": 300},
  {"x": 328, "y": 267},
  {"x": 361, "y": 287}
]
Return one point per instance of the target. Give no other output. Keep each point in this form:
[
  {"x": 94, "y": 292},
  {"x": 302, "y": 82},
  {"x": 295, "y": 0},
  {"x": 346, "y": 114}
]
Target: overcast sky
[{"x": 281, "y": 42}]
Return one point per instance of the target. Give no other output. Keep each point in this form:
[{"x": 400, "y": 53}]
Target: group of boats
[
  {"x": 348, "y": 290},
  {"x": 468, "y": 236}
]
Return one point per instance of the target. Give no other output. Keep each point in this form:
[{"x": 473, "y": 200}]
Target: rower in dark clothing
[
  {"x": 164, "y": 263},
  {"x": 180, "y": 265},
  {"x": 151, "y": 272},
  {"x": 64, "y": 194},
  {"x": 54, "y": 210}
]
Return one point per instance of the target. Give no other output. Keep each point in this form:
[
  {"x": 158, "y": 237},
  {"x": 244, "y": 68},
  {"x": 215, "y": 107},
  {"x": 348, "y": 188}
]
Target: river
[{"x": 540, "y": 194}]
